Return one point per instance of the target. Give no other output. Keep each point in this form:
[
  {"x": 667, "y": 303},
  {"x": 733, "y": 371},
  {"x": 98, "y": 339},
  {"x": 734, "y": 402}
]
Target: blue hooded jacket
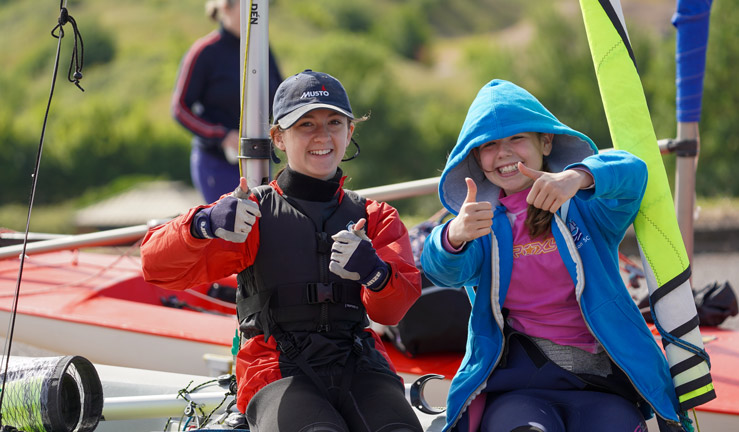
[{"x": 587, "y": 239}]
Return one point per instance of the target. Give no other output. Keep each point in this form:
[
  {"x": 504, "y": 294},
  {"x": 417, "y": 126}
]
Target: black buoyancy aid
[{"x": 290, "y": 285}]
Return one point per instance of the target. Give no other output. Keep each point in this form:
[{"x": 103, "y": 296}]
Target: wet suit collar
[{"x": 303, "y": 187}]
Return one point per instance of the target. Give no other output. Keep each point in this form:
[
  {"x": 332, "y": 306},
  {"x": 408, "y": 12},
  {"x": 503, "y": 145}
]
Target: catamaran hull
[
  {"x": 120, "y": 347},
  {"x": 139, "y": 400},
  {"x": 98, "y": 307},
  {"x": 436, "y": 392}
]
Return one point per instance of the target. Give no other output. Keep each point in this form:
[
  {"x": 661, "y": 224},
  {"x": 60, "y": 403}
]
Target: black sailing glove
[
  {"x": 230, "y": 219},
  {"x": 354, "y": 258}
]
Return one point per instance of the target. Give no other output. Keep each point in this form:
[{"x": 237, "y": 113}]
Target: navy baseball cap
[{"x": 305, "y": 92}]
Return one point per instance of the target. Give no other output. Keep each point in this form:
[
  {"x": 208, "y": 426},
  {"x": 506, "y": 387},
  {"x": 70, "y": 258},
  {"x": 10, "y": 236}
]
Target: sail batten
[{"x": 664, "y": 256}]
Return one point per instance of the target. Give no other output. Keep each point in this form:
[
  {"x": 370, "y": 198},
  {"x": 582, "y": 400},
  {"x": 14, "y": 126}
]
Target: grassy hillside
[
  {"x": 415, "y": 65},
  {"x": 121, "y": 124}
]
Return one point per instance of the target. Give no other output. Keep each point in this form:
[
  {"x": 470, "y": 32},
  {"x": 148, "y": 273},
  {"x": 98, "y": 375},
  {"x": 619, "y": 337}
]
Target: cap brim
[{"x": 288, "y": 120}]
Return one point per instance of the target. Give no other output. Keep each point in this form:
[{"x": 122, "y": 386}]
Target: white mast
[{"x": 255, "y": 147}]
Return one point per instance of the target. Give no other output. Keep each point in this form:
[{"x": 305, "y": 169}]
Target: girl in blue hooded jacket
[{"x": 555, "y": 341}]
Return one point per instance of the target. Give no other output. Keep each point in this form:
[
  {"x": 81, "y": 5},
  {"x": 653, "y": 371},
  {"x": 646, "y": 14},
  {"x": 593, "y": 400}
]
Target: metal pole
[
  {"x": 691, "y": 19},
  {"x": 685, "y": 184},
  {"x": 125, "y": 235},
  {"x": 255, "y": 148},
  {"x": 401, "y": 190},
  {"x": 154, "y": 406},
  {"x": 102, "y": 238}
]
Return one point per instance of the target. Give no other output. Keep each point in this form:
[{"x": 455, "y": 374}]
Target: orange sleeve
[
  {"x": 172, "y": 258},
  {"x": 390, "y": 239}
]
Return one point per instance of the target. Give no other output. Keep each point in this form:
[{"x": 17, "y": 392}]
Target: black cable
[
  {"x": 78, "y": 55},
  {"x": 355, "y": 153},
  {"x": 77, "y": 62}
]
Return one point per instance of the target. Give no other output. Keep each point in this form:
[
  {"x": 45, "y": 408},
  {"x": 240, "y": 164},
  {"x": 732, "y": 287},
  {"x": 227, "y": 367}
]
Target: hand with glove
[
  {"x": 354, "y": 258},
  {"x": 230, "y": 219}
]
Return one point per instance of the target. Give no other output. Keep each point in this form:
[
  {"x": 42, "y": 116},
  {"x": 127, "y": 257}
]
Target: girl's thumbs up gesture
[
  {"x": 551, "y": 190},
  {"x": 474, "y": 219}
]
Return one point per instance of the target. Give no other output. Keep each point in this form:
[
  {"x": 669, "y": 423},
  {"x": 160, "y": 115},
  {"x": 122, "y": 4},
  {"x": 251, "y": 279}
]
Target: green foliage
[
  {"x": 35, "y": 60},
  {"x": 117, "y": 186},
  {"x": 124, "y": 141},
  {"x": 462, "y": 17},
  {"x": 99, "y": 44},
  {"x": 17, "y": 164},
  {"x": 415, "y": 65},
  {"x": 46, "y": 219},
  {"x": 406, "y": 31},
  {"x": 719, "y": 154},
  {"x": 555, "y": 65},
  {"x": 332, "y": 15}
]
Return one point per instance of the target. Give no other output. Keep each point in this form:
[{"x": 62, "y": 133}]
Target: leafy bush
[
  {"x": 415, "y": 65},
  {"x": 405, "y": 31},
  {"x": 99, "y": 44}
]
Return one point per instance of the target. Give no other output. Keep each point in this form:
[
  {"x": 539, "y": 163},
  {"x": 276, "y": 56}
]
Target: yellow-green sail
[{"x": 664, "y": 256}]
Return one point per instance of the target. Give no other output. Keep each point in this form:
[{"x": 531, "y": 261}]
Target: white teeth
[
  {"x": 508, "y": 168},
  {"x": 321, "y": 152}
]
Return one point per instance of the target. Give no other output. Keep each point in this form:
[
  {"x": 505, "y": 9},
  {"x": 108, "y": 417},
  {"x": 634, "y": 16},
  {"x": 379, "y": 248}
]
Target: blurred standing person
[{"x": 206, "y": 100}]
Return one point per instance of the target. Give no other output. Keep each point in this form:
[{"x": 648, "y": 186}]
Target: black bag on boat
[
  {"x": 437, "y": 321},
  {"x": 714, "y": 303}
]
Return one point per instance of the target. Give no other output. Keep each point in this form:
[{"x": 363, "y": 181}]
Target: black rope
[
  {"x": 77, "y": 62},
  {"x": 355, "y": 153},
  {"x": 78, "y": 55},
  {"x": 191, "y": 411}
]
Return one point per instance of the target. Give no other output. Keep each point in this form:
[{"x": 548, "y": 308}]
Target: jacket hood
[{"x": 502, "y": 109}]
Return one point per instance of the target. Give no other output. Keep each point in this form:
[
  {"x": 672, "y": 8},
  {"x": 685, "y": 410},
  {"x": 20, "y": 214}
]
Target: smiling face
[
  {"x": 499, "y": 159},
  {"x": 316, "y": 143}
]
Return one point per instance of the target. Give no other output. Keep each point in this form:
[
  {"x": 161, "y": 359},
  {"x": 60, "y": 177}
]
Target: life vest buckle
[
  {"x": 319, "y": 292},
  {"x": 357, "y": 347},
  {"x": 288, "y": 348}
]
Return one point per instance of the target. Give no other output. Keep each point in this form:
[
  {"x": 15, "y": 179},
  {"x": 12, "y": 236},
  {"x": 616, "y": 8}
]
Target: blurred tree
[
  {"x": 99, "y": 44},
  {"x": 719, "y": 130},
  {"x": 415, "y": 65},
  {"x": 406, "y": 31}
]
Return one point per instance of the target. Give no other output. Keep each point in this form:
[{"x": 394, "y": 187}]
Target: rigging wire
[
  {"x": 244, "y": 72},
  {"x": 76, "y": 63}
]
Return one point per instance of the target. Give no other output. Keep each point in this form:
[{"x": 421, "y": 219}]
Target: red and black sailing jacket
[{"x": 285, "y": 287}]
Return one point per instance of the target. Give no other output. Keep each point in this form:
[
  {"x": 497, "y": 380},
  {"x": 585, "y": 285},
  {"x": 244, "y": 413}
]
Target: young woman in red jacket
[{"x": 314, "y": 260}]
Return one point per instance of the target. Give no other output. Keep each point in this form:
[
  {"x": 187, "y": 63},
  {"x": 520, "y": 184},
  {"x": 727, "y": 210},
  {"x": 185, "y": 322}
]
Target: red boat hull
[{"x": 99, "y": 306}]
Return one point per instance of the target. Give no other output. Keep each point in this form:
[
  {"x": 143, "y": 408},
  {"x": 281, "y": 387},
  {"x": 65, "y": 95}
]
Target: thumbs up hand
[
  {"x": 242, "y": 190},
  {"x": 551, "y": 190},
  {"x": 474, "y": 219},
  {"x": 230, "y": 219},
  {"x": 354, "y": 258}
]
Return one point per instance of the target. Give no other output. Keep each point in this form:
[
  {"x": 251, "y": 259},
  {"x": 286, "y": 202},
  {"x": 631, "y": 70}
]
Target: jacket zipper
[
  {"x": 495, "y": 306},
  {"x": 579, "y": 289}
]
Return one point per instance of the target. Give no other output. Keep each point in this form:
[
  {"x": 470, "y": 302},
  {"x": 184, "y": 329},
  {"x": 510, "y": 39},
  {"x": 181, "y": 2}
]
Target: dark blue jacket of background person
[
  {"x": 206, "y": 101},
  {"x": 206, "y": 98}
]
